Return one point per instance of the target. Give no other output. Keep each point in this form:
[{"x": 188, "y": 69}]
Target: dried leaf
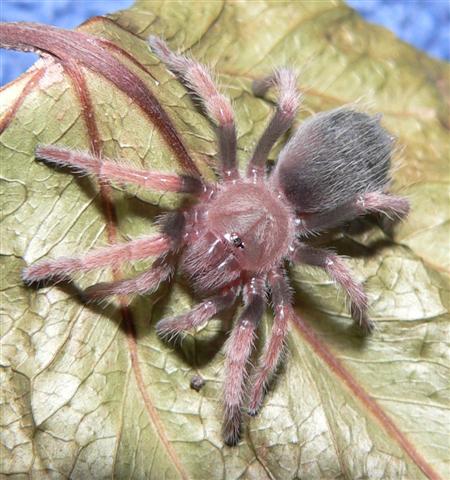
[{"x": 92, "y": 392}]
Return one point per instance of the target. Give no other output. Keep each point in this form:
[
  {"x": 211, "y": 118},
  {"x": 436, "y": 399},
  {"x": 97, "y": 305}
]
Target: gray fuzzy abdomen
[{"x": 333, "y": 157}]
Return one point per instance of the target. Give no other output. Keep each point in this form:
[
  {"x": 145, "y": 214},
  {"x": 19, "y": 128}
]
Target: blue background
[{"x": 424, "y": 23}]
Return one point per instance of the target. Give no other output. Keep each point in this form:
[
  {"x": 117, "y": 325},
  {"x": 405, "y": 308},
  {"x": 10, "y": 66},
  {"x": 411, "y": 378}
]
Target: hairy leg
[
  {"x": 285, "y": 81},
  {"x": 218, "y": 107},
  {"x": 281, "y": 299},
  {"x": 172, "y": 227},
  {"x": 109, "y": 170},
  {"x": 239, "y": 348},
  {"x": 146, "y": 282},
  {"x": 337, "y": 270},
  {"x": 171, "y": 327},
  {"x": 102, "y": 257},
  {"x": 373, "y": 202}
]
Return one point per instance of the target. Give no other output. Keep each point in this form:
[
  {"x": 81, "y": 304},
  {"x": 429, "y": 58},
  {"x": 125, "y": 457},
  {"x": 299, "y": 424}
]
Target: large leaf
[{"x": 91, "y": 392}]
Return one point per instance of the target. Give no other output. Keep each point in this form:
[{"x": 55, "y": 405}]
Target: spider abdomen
[{"x": 333, "y": 157}]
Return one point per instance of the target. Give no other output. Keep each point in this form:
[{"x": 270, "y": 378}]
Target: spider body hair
[
  {"x": 333, "y": 157},
  {"x": 259, "y": 219},
  {"x": 236, "y": 239}
]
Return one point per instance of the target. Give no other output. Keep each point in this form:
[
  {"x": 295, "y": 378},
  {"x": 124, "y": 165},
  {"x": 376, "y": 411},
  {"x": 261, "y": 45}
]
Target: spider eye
[{"x": 236, "y": 241}]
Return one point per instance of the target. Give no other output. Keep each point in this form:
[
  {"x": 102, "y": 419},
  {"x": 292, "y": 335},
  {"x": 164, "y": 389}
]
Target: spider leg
[
  {"x": 218, "y": 107},
  {"x": 172, "y": 326},
  {"x": 281, "y": 299},
  {"x": 110, "y": 170},
  {"x": 172, "y": 226},
  {"x": 106, "y": 256},
  {"x": 337, "y": 270},
  {"x": 239, "y": 348},
  {"x": 373, "y": 202},
  {"x": 146, "y": 282},
  {"x": 285, "y": 81}
]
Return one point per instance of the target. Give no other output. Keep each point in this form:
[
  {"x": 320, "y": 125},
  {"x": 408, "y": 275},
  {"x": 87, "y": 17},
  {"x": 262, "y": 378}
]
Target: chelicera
[{"x": 237, "y": 237}]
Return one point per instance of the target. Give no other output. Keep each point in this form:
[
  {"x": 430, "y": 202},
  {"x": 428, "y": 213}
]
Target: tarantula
[{"x": 241, "y": 231}]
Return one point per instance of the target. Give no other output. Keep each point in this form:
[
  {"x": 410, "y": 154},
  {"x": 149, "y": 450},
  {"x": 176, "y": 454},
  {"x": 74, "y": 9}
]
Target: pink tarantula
[{"x": 239, "y": 234}]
